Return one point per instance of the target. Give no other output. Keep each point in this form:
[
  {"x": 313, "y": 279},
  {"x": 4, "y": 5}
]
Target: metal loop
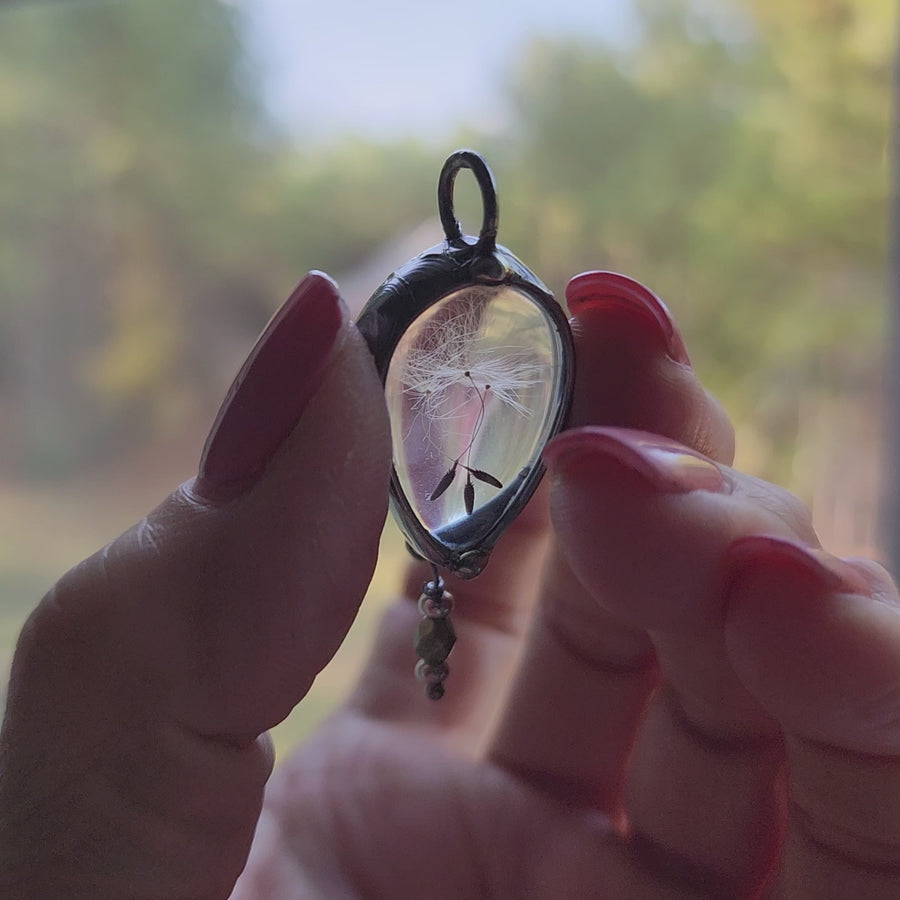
[{"x": 469, "y": 159}]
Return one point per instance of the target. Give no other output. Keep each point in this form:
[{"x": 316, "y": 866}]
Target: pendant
[{"x": 477, "y": 362}]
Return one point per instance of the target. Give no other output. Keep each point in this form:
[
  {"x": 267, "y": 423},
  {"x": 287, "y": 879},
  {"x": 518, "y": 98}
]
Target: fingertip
[
  {"x": 663, "y": 465},
  {"x": 620, "y": 295},
  {"x": 804, "y": 565},
  {"x": 633, "y": 367},
  {"x": 810, "y": 642},
  {"x": 715, "y": 436},
  {"x": 273, "y": 387},
  {"x": 880, "y": 582}
]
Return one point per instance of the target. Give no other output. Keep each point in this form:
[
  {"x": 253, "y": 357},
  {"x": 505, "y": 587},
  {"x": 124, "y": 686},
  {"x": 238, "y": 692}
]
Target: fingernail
[
  {"x": 668, "y": 467},
  {"x": 612, "y": 292},
  {"x": 817, "y": 567},
  {"x": 271, "y": 390}
]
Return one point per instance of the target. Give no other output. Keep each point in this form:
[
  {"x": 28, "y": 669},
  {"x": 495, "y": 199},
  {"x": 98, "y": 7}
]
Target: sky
[{"x": 382, "y": 68}]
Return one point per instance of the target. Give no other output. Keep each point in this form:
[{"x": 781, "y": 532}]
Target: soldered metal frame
[{"x": 456, "y": 263}]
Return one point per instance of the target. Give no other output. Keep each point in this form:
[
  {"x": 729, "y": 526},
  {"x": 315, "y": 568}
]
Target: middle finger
[{"x": 645, "y": 524}]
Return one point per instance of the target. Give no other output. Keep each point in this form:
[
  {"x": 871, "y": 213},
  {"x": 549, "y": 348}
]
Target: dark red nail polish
[
  {"x": 611, "y": 291},
  {"x": 271, "y": 390},
  {"x": 667, "y": 466},
  {"x": 812, "y": 564}
]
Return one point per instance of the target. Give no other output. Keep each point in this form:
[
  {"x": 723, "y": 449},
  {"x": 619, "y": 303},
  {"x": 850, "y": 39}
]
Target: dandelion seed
[
  {"x": 453, "y": 352},
  {"x": 469, "y": 496},
  {"x": 445, "y": 482},
  {"x": 453, "y": 364},
  {"x": 486, "y": 477}
]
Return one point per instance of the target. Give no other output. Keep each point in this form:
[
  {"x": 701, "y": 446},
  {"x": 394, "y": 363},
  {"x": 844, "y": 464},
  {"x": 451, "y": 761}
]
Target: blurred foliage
[
  {"x": 734, "y": 160},
  {"x": 149, "y": 213},
  {"x": 732, "y": 157}
]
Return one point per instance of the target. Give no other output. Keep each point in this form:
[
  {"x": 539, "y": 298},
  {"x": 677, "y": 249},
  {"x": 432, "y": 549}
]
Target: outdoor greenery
[{"x": 733, "y": 158}]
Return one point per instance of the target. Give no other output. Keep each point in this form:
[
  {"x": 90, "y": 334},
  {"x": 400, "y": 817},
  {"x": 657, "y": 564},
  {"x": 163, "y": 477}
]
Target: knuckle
[{"x": 780, "y": 503}]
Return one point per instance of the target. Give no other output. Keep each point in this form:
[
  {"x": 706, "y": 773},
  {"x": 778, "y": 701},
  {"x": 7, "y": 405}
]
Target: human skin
[{"x": 662, "y": 686}]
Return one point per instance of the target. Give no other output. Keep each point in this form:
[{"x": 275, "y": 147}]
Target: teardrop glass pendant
[
  {"x": 472, "y": 392},
  {"x": 477, "y": 361}
]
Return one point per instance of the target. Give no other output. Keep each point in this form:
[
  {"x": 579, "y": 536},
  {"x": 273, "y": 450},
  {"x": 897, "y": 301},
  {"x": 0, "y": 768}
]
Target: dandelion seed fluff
[{"x": 452, "y": 363}]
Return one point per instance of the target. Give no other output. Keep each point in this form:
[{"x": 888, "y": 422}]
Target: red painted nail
[
  {"x": 667, "y": 466},
  {"x": 611, "y": 291},
  {"x": 812, "y": 564},
  {"x": 271, "y": 390}
]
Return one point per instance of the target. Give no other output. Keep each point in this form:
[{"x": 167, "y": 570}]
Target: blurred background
[{"x": 169, "y": 169}]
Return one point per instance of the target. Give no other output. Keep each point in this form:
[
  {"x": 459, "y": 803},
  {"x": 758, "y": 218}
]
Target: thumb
[
  {"x": 238, "y": 589},
  {"x": 216, "y": 612}
]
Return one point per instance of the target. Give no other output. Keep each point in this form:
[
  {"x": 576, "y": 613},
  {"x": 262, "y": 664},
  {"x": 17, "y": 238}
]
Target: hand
[
  {"x": 134, "y": 753},
  {"x": 682, "y": 626},
  {"x": 705, "y": 702}
]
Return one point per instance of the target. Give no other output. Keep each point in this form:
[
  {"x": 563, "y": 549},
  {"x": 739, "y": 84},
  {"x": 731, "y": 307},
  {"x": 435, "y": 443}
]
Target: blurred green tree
[
  {"x": 151, "y": 217},
  {"x": 128, "y": 149},
  {"x": 733, "y": 158}
]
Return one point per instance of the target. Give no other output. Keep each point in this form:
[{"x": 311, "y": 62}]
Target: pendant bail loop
[{"x": 469, "y": 159}]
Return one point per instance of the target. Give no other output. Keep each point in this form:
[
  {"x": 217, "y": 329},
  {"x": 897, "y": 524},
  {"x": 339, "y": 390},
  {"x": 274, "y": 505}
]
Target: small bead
[
  {"x": 436, "y": 606},
  {"x": 434, "y": 640},
  {"x": 431, "y": 674},
  {"x": 435, "y": 691}
]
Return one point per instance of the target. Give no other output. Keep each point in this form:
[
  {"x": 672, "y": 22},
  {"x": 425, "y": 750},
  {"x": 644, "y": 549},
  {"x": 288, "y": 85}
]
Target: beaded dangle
[{"x": 435, "y": 636}]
